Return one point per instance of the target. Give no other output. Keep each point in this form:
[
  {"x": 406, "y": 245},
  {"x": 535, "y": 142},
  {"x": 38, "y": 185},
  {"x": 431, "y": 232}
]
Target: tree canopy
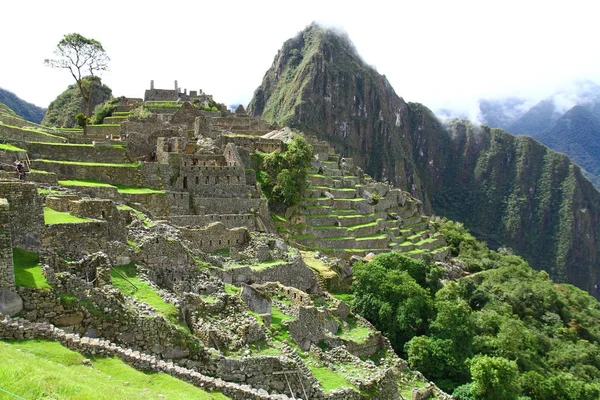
[{"x": 82, "y": 57}]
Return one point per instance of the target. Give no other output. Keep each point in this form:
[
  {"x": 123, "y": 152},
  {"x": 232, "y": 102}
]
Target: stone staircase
[{"x": 345, "y": 215}]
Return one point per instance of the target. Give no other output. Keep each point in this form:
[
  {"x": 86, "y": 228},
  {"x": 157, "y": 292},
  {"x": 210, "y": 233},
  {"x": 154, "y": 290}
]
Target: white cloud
[{"x": 440, "y": 53}]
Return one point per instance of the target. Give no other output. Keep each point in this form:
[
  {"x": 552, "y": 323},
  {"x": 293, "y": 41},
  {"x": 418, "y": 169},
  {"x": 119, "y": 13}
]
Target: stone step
[
  {"x": 348, "y": 204},
  {"x": 317, "y": 210},
  {"x": 320, "y": 180}
]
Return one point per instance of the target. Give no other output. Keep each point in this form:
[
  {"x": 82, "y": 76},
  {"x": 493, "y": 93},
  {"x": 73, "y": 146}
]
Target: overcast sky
[{"x": 442, "y": 54}]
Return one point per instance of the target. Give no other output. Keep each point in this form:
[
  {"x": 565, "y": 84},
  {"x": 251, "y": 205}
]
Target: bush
[
  {"x": 81, "y": 119},
  {"x": 102, "y": 112}
]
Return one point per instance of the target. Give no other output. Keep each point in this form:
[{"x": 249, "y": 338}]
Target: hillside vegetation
[
  {"x": 61, "y": 112},
  {"x": 502, "y": 332}
]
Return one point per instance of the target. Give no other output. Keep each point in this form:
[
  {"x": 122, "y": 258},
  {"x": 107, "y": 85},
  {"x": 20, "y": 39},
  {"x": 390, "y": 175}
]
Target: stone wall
[
  {"x": 26, "y": 214},
  {"x": 228, "y": 220},
  {"x": 127, "y": 176},
  {"x": 295, "y": 274},
  {"x": 252, "y": 143},
  {"x": 78, "y": 238},
  {"x": 103, "y": 154},
  {"x": 102, "y": 131},
  {"x": 158, "y": 204},
  {"x": 7, "y": 275},
  {"x": 208, "y": 205},
  {"x": 214, "y": 237}
]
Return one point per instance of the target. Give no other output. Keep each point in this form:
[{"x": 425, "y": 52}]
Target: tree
[
  {"x": 286, "y": 173},
  {"x": 495, "y": 378},
  {"x": 80, "y": 55}
]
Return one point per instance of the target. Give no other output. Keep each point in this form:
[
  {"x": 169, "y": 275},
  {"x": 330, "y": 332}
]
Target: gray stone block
[{"x": 10, "y": 302}]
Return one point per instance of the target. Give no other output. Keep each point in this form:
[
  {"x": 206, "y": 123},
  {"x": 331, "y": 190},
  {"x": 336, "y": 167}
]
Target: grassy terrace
[
  {"x": 42, "y": 369},
  {"x": 115, "y": 146},
  {"x": 52, "y": 217},
  {"x": 41, "y": 132},
  {"x": 120, "y": 188},
  {"x": 90, "y": 164},
  {"x": 10, "y": 147},
  {"x": 145, "y": 293},
  {"x": 28, "y": 271},
  {"x": 355, "y": 333}
]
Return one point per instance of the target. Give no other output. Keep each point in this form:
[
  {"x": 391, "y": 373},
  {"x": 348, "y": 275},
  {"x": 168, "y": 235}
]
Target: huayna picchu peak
[
  {"x": 510, "y": 191},
  {"x": 314, "y": 245}
]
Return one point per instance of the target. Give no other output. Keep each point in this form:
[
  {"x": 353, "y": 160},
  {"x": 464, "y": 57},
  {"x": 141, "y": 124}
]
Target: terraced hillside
[{"x": 347, "y": 214}]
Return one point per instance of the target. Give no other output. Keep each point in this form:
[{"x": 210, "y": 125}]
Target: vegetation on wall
[
  {"x": 504, "y": 332},
  {"x": 283, "y": 174}
]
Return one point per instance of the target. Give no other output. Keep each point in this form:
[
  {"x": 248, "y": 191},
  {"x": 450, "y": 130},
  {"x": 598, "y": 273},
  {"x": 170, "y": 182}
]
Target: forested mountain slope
[{"x": 511, "y": 191}]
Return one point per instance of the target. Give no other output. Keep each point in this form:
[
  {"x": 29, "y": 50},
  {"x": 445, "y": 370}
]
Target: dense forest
[{"x": 504, "y": 331}]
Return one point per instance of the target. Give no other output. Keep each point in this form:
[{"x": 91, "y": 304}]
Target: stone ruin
[{"x": 180, "y": 205}]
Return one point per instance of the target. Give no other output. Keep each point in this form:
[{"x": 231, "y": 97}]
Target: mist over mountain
[
  {"x": 510, "y": 191},
  {"x": 28, "y": 111}
]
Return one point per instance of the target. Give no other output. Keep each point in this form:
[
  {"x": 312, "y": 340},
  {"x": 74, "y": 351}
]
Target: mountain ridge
[
  {"x": 317, "y": 86},
  {"x": 28, "y": 111}
]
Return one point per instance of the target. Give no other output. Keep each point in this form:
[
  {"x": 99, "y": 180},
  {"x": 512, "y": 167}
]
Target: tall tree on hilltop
[{"x": 79, "y": 55}]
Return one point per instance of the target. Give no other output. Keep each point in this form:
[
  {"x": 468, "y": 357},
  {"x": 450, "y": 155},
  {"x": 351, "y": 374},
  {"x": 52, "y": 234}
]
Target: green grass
[
  {"x": 279, "y": 331},
  {"x": 266, "y": 264},
  {"x": 144, "y": 293},
  {"x": 10, "y": 147},
  {"x": 147, "y": 222},
  {"x": 330, "y": 380},
  {"x": 323, "y": 269},
  {"x": 41, "y": 369},
  {"x": 375, "y": 236},
  {"x": 52, "y": 217},
  {"x": 136, "y": 190},
  {"x": 84, "y": 182},
  {"x": 28, "y": 272},
  {"x": 231, "y": 289},
  {"x": 357, "y": 334},
  {"x": 91, "y": 164},
  {"x": 346, "y": 297}
]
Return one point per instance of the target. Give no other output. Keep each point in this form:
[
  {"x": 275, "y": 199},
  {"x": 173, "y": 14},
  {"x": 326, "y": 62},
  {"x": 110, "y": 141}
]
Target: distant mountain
[
  {"x": 498, "y": 113},
  {"x": 28, "y": 111},
  {"x": 61, "y": 112},
  {"x": 511, "y": 191},
  {"x": 537, "y": 119},
  {"x": 577, "y": 134}
]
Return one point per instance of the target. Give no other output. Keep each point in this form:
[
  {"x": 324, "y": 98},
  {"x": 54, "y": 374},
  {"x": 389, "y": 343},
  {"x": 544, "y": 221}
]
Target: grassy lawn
[
  {"x": 357, "y": 334},
  {"x": 266, "y": 264},
  {"x": 144, "y": 293},
  {"x": 28, "y": 272},
  {"x": 323, "y": 269},
  {"x": 346, "y": 297},
  {"x": 120, "y": 188},
  {"x": 91, "y": 164},
  {"x": 52, "y": 217},
  {"x": 10, "y": 147},
  {"x": 40, "y": 369},
  {"x": 330, "y": 380}
]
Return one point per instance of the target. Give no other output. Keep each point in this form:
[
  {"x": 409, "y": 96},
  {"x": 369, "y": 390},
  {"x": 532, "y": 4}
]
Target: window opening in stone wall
[
  {"x": 185, "y": 182},
  {"x": 216, "y": 180},
  {"x": 197, "y": 180},
  {"x": 206, "y": 178},
  {"x": 239, "y": 180},
  {"x": 228, "y": 179}
]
